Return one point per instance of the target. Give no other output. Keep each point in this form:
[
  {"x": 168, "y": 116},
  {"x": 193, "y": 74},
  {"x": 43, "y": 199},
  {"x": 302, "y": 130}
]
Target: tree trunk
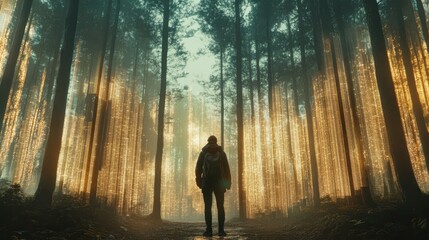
[
  {"x": 366, "y": 194},
  {"x": 222, "y": 99},
  {"x": 261, "y": 108},
  {"x": 292, "y": 66},
  {"x": 97, "y": 93},
  {"x": 156, "y": 213},
  {"x": 328, "y": 30},
  {"x": 317, "y": 35},
  {"x": 422, "y": 16},
  {"x": 307, "y": 94},
  {"x": 413, "y": 197},
  {"x": 103, "y": 122},
  {"x": 409, "y": 72},
  {"x": 48, "y": 177},
  {"x": 239, "y": 88},
  {"x": 9, "y": 71},
  {"x": 343, "y": 119}
]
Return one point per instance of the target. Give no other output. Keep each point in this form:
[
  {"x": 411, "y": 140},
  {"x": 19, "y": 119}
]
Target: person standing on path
[{"x": 212, "y": 175}]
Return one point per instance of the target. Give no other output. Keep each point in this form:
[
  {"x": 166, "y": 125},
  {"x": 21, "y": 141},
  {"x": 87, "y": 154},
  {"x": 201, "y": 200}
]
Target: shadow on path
[{"x": 234, "y": 233}]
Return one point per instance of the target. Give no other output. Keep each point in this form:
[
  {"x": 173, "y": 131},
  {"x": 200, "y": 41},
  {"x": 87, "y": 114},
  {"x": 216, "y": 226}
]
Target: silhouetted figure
[{"x": 212, "y": 175}]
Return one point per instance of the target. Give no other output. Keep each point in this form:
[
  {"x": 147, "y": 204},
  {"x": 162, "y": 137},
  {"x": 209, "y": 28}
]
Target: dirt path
[
  {"x": 180, "y": 230},
  {"x": 330, "y": 221}
]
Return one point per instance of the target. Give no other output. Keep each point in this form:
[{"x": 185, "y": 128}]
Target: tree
[
  {"x": 328, "y": 30},
  {"x": 156, "y": 212},
  {"x": 9, "y": 72},
  {"x": 340, "y": 19},
  {"x": 307, "y": 94},
  {"x": 239, "y": 89},
  {"x": 400, "y": 31},
  {"x": 424, "y": 26},
  {"x": 48, "y": 177},
  {"x": 101, "y": 139},
  {"x": 414, "y": 198}
]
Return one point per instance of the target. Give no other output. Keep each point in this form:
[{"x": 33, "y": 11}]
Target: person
[{"x": 213, "y": 176}]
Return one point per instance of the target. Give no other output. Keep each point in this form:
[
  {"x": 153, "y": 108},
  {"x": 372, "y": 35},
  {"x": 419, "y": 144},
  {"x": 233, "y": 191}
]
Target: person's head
[{"x": 212, "y": 139}]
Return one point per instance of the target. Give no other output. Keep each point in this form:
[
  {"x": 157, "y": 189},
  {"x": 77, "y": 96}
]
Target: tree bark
[
  {"x": 307, "y": 94},
  {"x": 239, "y": 89},
  {"x": 422, "y": 16},
  {"x": 295, "y": 95},
  {"x": 45, "y": 190},
  {"x": 9, "y": 71},
  {"x": 409, "y": 72},
  {"x": 97, "y": 93},
  {"x": 366, "y": 194},
  {"x": 343, "y": 119},
  {"x": 222, "y": 99},
  {"x": 156, "y": 212},
  {"x": 317, "y": 35},
  {"x": 103, "y": 122}
]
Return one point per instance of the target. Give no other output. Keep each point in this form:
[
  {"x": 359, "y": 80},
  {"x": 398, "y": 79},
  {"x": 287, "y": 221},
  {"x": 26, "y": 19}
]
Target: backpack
[{"x": 211, "y": 166}]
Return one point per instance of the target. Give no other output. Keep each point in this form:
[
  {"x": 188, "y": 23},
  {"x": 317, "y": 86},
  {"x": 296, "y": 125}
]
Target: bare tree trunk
[
  {"x": 261, "y": 108},
  {"x": 9, "y": 71},
  {"x": 308, "y": 116},
  {"x": 156, "y": 212},
  {"x": 295, "y": 95},
  {"x": 48, "y": 177},
  {"x": 343, "y": 120},
  {"x": 94, "y": 117},
  {"x": 422, "y": 16},
  {"x": 103, "y": 122},
  {"x": 366, "y": 194},
  {"x": 317, "y": 34},
  {"x": 222, "y": 98},
  {"x": 239, "y": 88},
  {"x": 328, "y": 29},
  {"x": 409, "y": 72}
]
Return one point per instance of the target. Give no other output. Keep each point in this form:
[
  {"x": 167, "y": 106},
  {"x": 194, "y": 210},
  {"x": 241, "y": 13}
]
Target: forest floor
[{"x": 70, "y": 219}]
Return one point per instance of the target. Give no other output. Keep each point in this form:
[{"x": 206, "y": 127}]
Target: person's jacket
[{"x": 225, "y": 181}]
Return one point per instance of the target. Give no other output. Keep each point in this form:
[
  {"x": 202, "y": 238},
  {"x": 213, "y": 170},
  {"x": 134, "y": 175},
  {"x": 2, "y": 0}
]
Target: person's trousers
[{"x": 208, "y": 199}]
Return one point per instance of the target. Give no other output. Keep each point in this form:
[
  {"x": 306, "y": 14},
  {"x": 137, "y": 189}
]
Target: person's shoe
[
  {"x": 221, "y": 234},
  {"x": 208, "y": 233}
]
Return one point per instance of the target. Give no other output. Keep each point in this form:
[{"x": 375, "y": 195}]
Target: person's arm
[
  {"x": 227, "y": 171},
  {"x": 199, "y": 170}
]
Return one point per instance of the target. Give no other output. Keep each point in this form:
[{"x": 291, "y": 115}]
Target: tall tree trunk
[
  {"x": 156, "y": 213},
  {"x": 295, "y": 95},
  {"x": 251, "y": 87},
  {"x": 105, "y": 106},
  {"x": 307, "y": 94},
  {"x": 9, "y": 71},
  {"x": 292, "y": 62},
  {"x": 270, "y": 81},
  {"x": 269, "y": 62},
  {"x": 328, "y": 29},
  {"x": 48, "y": 176},
  {"x": 409, "y": 72},
  {"x": 366, "y": 194},
  {"x": 317, "y": 34},
  {"x": 422, "y": 16},
  {"x": 239, "y": 88},
  {"x": 97, "y": 93},
  {"x": 261, "y": 108},
  {"x": 222, "y": 99},
  {"x": 343, "y": 119},
  {"x": 412, "y": 194}
]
